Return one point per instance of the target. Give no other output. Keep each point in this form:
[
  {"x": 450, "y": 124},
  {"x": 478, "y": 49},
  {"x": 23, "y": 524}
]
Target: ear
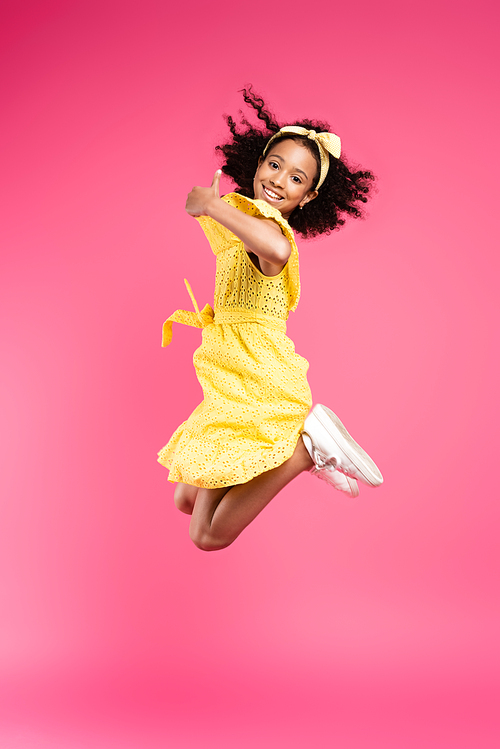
[{"x": 308, "y": 197}]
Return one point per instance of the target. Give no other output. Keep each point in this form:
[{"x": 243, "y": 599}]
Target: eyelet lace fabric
[{"x": 256, "y": 395}]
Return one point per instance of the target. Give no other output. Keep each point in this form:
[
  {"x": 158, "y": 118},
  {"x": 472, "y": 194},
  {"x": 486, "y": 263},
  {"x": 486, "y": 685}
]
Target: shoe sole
[{"x": 348, "y": 446}]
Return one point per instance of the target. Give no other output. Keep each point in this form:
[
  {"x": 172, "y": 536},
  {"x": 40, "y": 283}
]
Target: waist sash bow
[{"x": 222, "y": 315}]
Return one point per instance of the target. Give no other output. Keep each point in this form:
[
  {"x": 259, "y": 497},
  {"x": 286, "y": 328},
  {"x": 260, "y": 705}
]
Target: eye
[
  {"x": 297, "y": 180},
  {"x": 274, "y": 165}
]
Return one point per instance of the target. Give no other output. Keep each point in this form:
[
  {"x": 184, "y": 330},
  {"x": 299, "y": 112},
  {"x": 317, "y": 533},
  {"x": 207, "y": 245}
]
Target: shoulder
[
  {"x": 262, "y": 210},
  {"x": 255, "y": 207}
]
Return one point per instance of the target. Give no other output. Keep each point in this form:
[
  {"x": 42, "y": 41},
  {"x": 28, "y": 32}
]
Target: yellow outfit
[{"x": 256, "y": 394}]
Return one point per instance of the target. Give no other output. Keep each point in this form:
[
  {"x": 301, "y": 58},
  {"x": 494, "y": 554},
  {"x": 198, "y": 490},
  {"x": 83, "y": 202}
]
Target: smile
[{"x": 271, "y": 195}]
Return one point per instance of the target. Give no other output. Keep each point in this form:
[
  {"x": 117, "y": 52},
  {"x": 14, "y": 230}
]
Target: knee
[
  {"x": 184, "y": 498},
  {"x": 206, "y": 541},
  {"x": 184, "y": 505}
]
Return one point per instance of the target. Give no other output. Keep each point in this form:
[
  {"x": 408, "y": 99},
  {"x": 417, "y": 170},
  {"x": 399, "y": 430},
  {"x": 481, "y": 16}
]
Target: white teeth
[{"x": 272, "y": 194}]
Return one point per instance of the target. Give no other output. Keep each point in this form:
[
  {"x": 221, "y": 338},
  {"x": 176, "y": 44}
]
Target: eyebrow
[{"x": 295, "y": 169}]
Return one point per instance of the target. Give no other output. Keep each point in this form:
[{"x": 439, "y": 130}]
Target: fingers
[
  {"x": 199, "y": 197},
  {"x": 216, "y": 182}
]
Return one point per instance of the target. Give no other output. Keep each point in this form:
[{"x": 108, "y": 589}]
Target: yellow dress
[{"x": 256, "y": 394}]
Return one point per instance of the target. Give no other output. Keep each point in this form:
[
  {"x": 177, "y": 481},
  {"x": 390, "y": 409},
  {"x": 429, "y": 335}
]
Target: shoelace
[{"x": 321, "y": 460}]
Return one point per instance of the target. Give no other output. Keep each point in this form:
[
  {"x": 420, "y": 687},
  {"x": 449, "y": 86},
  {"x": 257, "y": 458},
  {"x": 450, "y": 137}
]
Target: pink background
[{"x": 330, "y": 622}]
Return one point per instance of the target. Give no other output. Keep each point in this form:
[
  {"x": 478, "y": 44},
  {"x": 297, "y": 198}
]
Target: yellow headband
[{"x": 327, "y": 143}]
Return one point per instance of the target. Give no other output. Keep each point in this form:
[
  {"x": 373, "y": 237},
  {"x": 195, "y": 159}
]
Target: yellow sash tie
[
  {"x": 207, "y": 316},
  {"x": 195, "y": 319}
]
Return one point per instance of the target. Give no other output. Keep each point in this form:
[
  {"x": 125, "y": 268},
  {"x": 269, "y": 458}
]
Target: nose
[{"x": 277, "y": 179}]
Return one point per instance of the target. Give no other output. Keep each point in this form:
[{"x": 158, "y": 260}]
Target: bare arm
[{"x": 262, "y": 237}]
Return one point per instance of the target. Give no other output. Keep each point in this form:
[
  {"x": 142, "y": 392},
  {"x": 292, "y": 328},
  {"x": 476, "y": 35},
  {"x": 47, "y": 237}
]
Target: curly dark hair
[{"x": 340, "y": 195}]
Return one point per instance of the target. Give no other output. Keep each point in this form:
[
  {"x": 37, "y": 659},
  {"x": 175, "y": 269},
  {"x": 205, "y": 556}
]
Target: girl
[{"x": 252, "y": 434}]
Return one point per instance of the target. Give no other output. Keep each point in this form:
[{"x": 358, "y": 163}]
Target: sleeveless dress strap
[
  {"x": 195, "y": 319},
  {"x": 221, "y": 238}
]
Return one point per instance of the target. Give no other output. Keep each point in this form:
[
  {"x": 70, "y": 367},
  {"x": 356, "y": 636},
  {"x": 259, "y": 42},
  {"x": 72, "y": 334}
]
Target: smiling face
[{"x": 285, "y": 176}]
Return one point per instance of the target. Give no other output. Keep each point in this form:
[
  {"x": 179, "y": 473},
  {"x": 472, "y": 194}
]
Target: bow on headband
[{"x": 327, "y": 143}]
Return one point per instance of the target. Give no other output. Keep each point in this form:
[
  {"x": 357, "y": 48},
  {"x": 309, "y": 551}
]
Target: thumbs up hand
[
  {"x": 196, "y": 203},
  {"x": 216, "y": 182}
]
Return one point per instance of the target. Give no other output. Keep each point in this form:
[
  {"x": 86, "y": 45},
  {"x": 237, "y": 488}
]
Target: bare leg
[
  {"x": 185, "y": 497},
  {"x": 219, "y": 515}
]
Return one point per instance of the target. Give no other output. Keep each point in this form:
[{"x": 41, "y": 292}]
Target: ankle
[{"x": 303, "y": 454}]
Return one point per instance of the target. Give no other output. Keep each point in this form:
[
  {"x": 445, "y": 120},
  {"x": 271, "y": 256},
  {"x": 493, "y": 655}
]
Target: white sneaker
[
  {"x": 336, "y": 479},
  {"x": 333, "y": 448}
]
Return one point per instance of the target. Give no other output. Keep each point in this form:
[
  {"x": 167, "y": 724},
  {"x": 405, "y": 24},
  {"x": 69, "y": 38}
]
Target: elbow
[
  {"x": 274, "y": 248},
  {"x": 282, "y": 251}
]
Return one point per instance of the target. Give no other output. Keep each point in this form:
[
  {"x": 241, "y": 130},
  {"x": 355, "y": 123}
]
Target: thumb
[{"x": 216, "y": 182}]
